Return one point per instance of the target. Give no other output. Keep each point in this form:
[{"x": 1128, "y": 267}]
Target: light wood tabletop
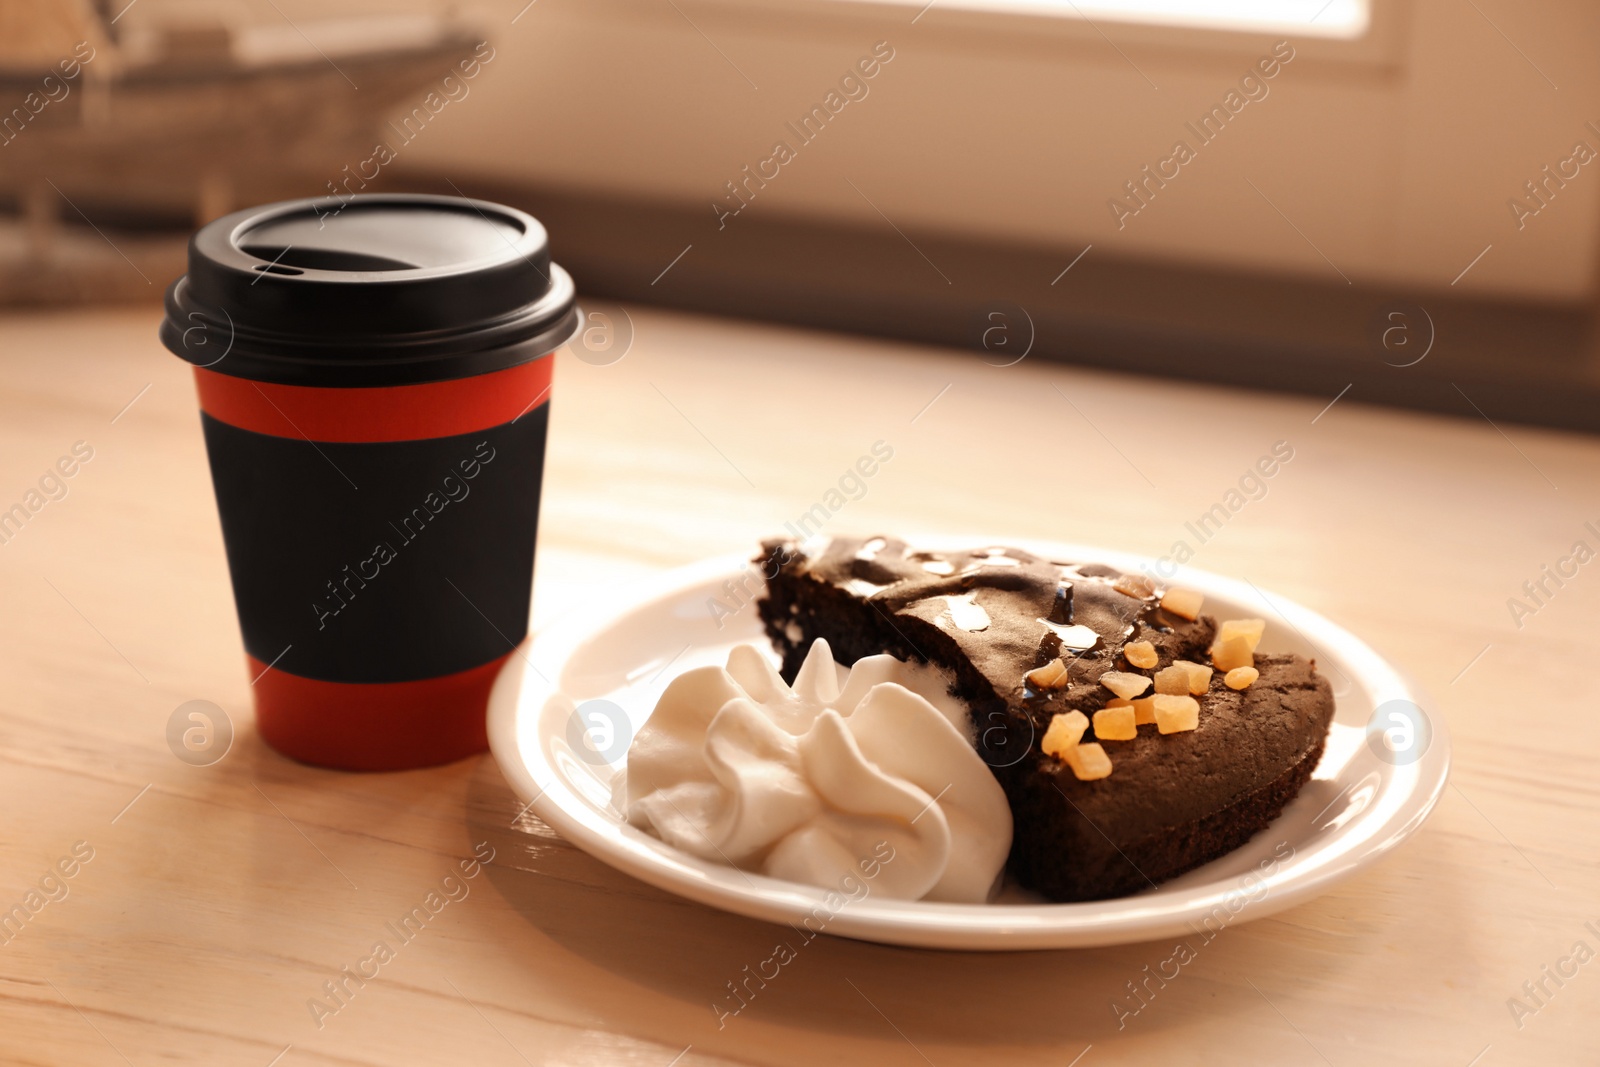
[{"x": 192, "y": 914}]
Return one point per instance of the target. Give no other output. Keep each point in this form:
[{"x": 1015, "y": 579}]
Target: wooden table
[{"x": 220, "y": 899}]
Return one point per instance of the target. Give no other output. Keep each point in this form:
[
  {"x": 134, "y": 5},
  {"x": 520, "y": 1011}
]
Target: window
[{"x": 1339, "y": 19}]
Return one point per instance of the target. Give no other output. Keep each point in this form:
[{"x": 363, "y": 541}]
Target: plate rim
[{"x": 1007, "y": 927}]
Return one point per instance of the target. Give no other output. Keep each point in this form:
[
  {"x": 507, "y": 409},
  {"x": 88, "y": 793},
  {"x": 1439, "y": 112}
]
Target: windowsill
[{"x": 1029, "y": 24}]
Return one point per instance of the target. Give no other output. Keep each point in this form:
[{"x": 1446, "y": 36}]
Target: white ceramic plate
[{"x": 1362, "y": 801}]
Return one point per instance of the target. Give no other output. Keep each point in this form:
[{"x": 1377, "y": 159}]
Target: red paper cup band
[
  {"x": 376, "y": 726},
  {"x": 376, "y": 413}
]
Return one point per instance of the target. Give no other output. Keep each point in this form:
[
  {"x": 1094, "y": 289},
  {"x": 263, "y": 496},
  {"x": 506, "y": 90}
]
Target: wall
[{"x": 1388, "y": 161}]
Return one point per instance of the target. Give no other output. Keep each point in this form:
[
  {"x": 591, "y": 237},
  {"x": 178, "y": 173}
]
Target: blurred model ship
[{"x": 119, "y": 134}]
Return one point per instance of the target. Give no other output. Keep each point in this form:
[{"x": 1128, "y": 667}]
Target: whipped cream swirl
[{"x": 805, "y": 783}]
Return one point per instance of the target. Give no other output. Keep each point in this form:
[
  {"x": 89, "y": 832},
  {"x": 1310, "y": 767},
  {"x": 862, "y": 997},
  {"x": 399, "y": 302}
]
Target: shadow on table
[{"x": 700, "y": 956}]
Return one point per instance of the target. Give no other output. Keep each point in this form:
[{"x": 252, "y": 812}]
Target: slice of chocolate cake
[{"x": 1184, "y": 764}]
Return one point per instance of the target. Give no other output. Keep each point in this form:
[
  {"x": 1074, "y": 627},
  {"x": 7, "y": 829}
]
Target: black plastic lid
[{"x": 376, "y": 289}]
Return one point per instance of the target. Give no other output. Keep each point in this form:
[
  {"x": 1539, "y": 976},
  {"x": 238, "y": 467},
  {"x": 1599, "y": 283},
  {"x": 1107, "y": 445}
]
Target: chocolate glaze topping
[{"x": 1029, "y": 610}]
